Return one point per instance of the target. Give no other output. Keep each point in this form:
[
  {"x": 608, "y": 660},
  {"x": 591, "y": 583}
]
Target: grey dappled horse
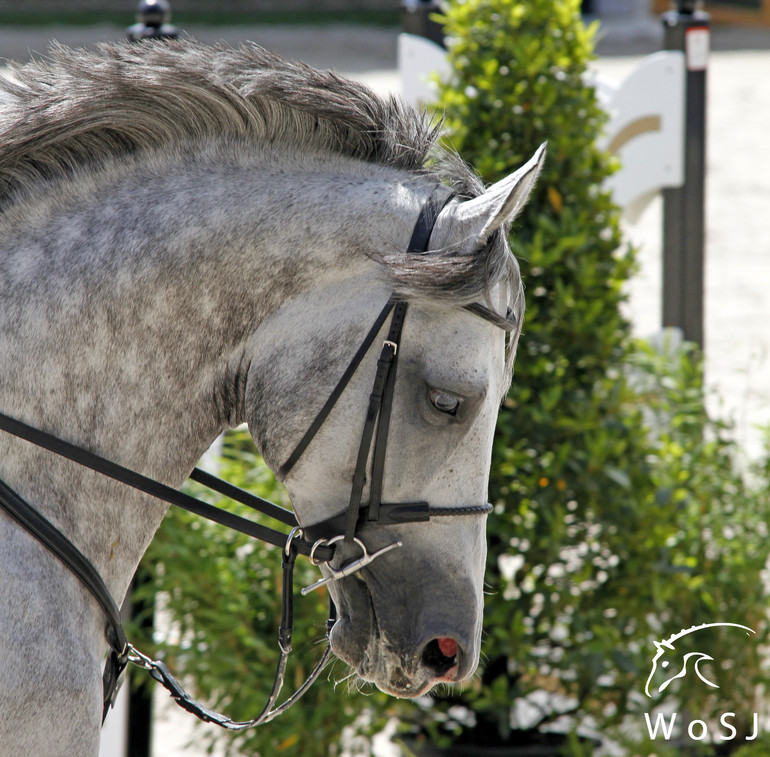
[{"x": 192, "y": 238}]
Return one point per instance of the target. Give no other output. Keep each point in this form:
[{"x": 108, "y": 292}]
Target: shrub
[
  {"x": 620, "y": 514},
  {"x": 759, "y": 748}
]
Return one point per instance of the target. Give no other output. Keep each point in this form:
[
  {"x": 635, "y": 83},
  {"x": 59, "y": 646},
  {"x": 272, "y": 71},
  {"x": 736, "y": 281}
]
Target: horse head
[
  {"x": 413, "y": 617},
  {"x": 194, "y": 238}
]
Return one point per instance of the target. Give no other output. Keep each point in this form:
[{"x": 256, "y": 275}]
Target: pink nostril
[
  {"x": 441, "y": 656},
  {"x": 447, "y": 646}
]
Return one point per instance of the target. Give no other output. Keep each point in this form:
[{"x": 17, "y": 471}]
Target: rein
[
  {"x": 317, "y": 542},
  {"x": 122, "y": 651}
]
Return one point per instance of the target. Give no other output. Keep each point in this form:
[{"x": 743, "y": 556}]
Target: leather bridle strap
[
  {"x": 418, "y": 243},
  {"x": 160, "y": 672},
  {"x": 377, "y": 413},
  {"x": 383, "y": 423},
  {"x": 122, "y": 652},
  {"x": 51, "y": 538},
  {"x": 381, "y": 398},
  {"x": 336, "y": 393},
  {"x": 168, "y": 494}
]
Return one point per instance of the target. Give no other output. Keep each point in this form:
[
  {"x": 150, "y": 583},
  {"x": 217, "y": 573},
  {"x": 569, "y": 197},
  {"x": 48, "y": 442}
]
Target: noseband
[{"x": 318, "y": 542}]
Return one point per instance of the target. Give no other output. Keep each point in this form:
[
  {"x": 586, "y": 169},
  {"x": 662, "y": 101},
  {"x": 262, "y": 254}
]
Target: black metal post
[
  {"x": 139, "y": 738},
  {"x": 152, "y": 22},
  {"x": 416, "y": 18},
  {"x": 687, "y": 29}
]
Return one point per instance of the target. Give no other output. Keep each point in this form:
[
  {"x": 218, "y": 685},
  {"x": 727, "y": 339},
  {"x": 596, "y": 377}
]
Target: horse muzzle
[{"x": 401, "y": 634}]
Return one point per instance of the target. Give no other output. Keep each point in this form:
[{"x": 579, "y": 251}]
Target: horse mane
[{"x": 80, "y": 108}]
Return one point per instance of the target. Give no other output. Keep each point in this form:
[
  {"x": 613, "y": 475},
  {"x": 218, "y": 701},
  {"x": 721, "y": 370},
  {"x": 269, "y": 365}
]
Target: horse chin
[{"x": 393, "y": 680}]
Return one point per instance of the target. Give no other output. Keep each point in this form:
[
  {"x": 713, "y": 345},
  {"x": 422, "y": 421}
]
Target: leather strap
[
  {"x": 508, "y": 323},
  {"x": 168, "y": 494},
  {"x": 418, "y": 242},
  {"x": 237, "y": 494},
  {"x": 387, "y": 369},
  {"x": 160, "y": 672},
  {"x": 384, "y": 373},
  {"x": 386, "y": 405},
  {"x": 53, "y": 539},
  {"x": 427, "y": 218},
  {"x": 323, "y": 414},
  {"x": 121, "y": 652},
  {"x": 391, "y": 514}
]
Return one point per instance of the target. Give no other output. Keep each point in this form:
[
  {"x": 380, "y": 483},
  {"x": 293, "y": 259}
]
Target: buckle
[{"x": 392, "y": 345}]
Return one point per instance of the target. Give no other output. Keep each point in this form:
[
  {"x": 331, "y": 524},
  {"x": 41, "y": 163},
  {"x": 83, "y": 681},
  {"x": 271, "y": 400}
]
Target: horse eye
[{"x": 444, "y": 403}]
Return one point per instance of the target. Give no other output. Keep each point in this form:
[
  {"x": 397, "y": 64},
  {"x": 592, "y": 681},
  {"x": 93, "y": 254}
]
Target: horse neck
[{"x": 132, "y": 308}]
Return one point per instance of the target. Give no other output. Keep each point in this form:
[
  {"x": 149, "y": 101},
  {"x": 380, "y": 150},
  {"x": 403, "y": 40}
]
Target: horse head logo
[{"x": 666, "y": 648}]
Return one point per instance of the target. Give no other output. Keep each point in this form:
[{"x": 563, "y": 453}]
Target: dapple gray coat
[{"x": 192, "y": 238}]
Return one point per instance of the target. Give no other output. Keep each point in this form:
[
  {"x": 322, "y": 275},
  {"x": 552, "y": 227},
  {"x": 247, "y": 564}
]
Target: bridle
[{"x": 318, "y": 542}]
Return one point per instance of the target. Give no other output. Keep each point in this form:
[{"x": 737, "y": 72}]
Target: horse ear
[{"x": 475, "y": 220}]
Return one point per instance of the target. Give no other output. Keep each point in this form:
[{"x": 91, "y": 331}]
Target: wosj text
[{"x": 698, "y": 730}]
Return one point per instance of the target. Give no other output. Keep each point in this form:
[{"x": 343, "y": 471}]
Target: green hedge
[{"x": 621, "y": 515}]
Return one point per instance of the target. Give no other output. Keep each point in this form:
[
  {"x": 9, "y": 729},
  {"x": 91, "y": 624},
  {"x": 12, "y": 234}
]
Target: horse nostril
[
  {"x": 440, "y": 655},
  {"x": 447, "y": 646}
]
